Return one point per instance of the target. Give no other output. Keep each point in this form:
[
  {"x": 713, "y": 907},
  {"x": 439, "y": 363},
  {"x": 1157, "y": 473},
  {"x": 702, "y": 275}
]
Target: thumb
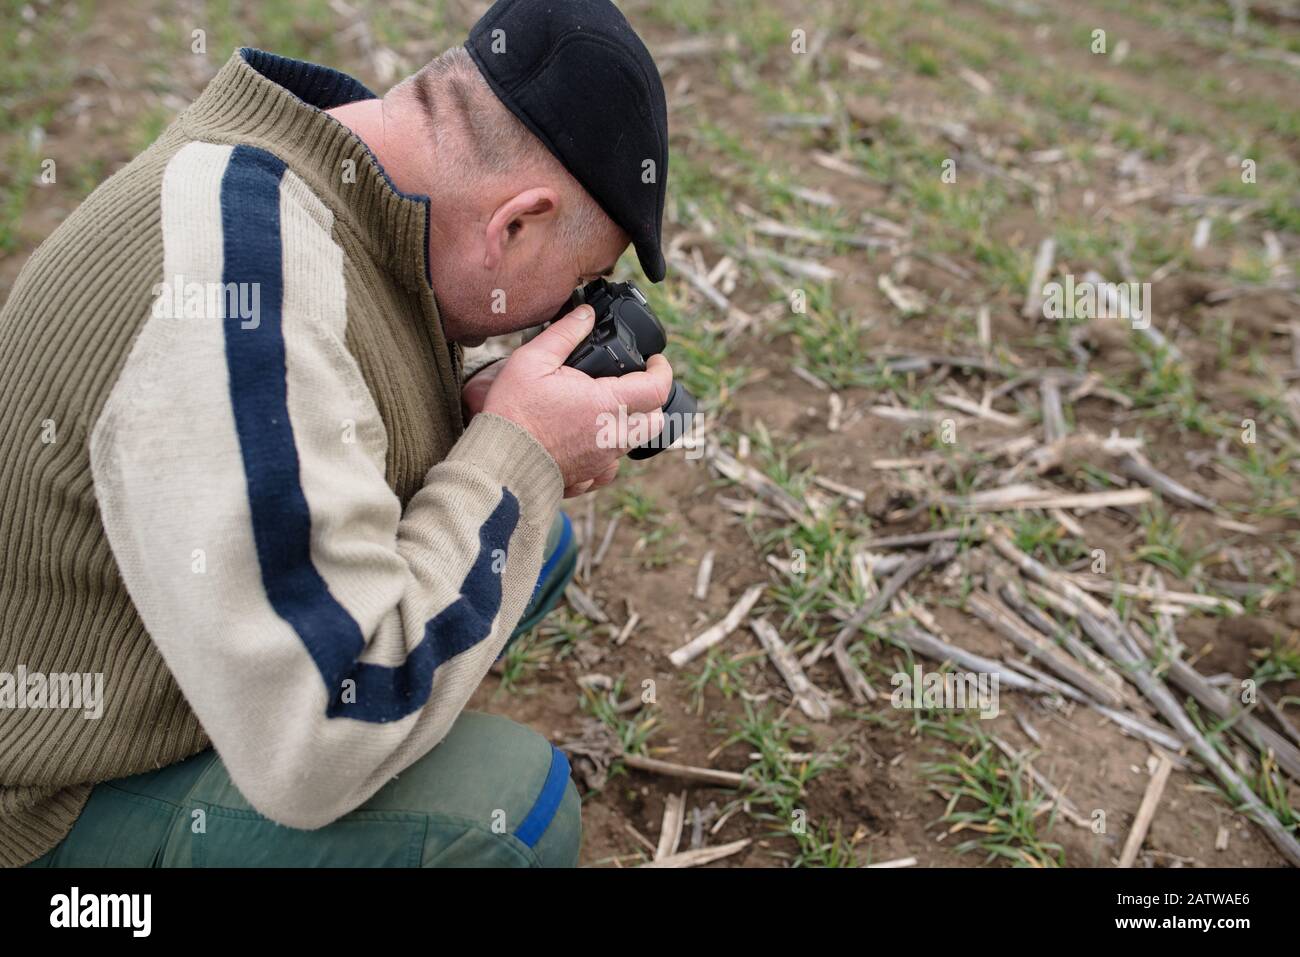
[{"x": 561, "y": 337}]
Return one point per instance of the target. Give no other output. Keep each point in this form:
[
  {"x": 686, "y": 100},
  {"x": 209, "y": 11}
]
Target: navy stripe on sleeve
[{"x": 281, "y": 518}]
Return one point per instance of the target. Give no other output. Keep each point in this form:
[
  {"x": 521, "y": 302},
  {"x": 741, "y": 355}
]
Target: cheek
[{"x": 544, "y": 291}]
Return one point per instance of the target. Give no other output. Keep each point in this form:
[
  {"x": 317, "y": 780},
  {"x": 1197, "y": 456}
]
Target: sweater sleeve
[{"x": 325, "y": 637}]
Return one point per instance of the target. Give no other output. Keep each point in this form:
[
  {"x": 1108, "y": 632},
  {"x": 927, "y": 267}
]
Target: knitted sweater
[{"x": 235, "y": 480}]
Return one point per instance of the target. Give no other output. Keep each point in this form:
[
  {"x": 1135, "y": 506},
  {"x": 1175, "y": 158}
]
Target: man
[{"x": 245, "y": 479}]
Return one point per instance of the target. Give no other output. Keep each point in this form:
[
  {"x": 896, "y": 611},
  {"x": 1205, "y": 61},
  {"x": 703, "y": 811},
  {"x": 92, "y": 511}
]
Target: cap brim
[{"x": 652, "y": 260}]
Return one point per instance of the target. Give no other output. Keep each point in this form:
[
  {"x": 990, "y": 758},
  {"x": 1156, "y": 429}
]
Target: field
[{"x": 1097, "y": 503}]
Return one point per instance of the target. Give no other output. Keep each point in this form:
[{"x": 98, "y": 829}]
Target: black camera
[{"x": 625, "y": 335}]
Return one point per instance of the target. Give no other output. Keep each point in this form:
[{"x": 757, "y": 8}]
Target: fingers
[
  {"x": 644, "y": 391},
  {"x": 605, "y": 477},
  {"x": 575, "y": 490},
  {"x": 590, "y": 485},
  {"x": 484, "y": 377},
  {"x": 657, "y": 422},
  {"x": 561, "y": 337}
]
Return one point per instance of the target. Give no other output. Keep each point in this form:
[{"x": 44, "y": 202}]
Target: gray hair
[{"x": 457, "y": 101}]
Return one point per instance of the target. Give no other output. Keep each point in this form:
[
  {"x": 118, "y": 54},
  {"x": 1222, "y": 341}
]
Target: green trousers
[{"x": 491, "y": 794}]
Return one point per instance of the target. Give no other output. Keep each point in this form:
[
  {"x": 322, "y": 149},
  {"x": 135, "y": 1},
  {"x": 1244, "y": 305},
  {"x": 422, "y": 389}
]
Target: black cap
[{"x": 576, "y": 74}]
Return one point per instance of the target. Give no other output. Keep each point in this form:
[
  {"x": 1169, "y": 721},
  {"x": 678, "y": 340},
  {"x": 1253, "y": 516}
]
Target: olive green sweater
[{"x": 236, "y": 490}]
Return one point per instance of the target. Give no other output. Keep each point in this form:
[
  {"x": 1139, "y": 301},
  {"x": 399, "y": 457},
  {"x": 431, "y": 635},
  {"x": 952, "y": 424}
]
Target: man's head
[
  {"x": 511, "y": 230},
  {"x": 543, "y": 147}
]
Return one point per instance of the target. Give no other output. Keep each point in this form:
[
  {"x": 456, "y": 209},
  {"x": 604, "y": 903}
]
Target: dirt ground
[{"x": 867, "y": 204}]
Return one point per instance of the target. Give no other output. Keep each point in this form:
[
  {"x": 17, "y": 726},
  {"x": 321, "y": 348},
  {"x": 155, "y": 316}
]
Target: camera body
[
  {"x": 626, "y": 332},
  {"x": 625, "y": 335}
]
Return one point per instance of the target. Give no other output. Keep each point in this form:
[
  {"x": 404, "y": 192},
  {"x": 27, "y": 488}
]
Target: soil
[{"x": 880, "y": 796}]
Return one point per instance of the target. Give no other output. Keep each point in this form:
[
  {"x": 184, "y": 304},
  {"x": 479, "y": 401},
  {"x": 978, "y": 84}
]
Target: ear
[{"x": 515, "y": 220}]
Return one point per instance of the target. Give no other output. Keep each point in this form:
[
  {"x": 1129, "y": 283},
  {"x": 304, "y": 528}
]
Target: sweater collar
[{"x": 277, "y": 103}]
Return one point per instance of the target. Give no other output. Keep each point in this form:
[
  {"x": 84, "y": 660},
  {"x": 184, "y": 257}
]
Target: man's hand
[
  {"x": 474, "y": 392},
  {"x": 563, "y": 408}
]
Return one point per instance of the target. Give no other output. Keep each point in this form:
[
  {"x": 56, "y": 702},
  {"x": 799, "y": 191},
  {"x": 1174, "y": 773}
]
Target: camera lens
[{"x": 679, "y": 414}]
